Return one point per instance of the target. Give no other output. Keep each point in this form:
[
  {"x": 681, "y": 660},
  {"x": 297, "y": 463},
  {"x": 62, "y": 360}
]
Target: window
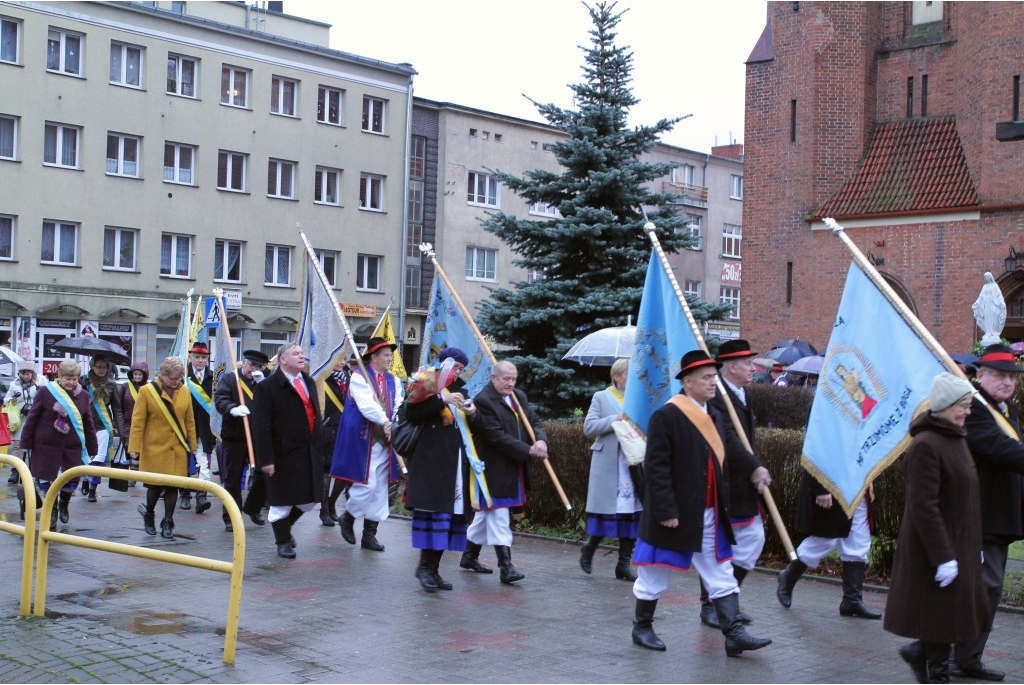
[
  {"x": 182, "y": 75},
  {"x": 731, "y": 295},
  {"x": 497, "y": 137},
  {"x": 123, "y": 155},
  {"x": 732, "y": 239},
  {"x": 64, "y": 52},
  {"x": 415, "y": 207},
  {"x": 692, "y": 289},
  {"x": 119, "y": 248},
  {"x": 472, "y": 133},
  {"x": 271, "y": 341},
  {"x": 682, "y": 174},
  {"x": 8, "y": 137},
  {"x": 227, "y": 261},
  {"x": 126, "y": 65},
  {"x": 10, "y": 40},
  {"x": 544, "y": 209},
  {"x": 60, "y": 145},
  {"x": 736, "y": 188},
  {"x": 234, "y": 87},
  {"x": 231, "y": 171},
  {"x": 373, "y": 115},
  {"x": 329, "y": 263},
  {"x": 486, "y": 135},
  {"x": 368, "y": 272},
  {"x": 179, "y": 161},
  {"x": 694, "y": 228},
  {"x": 60, "y": 243},
  {"x": 534, "y": 275},
  {"x": 328, "y": 186},
  {"x": 418, "y": 157},
  {"x": 277, "y": 268},
  {"x": 483, "y": 189},
  {"x": 371, "y": 192},
  {"x": 6, "y": 237},
  {"x": 281, "y": 179},
  {"x": 176, "y": 255},
  {"x": 328, "y": 106},
  {"x": 480, "y": 264},
  {"x": 283, "y": 93}
]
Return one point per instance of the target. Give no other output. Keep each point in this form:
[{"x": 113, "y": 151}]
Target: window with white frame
[
  {"x": 119, "y": 247},
  {"x": 281, "y": 179},
  {"x": 368, "y": 272},
  {"x": 123, "y": 155},
  {"x": 692, "y": 289},
  {"x": 126, "y": 64},
  {"x": 6, "y": 237},
  {"x": 179, "y": 163},
  {"x": 544, "y": 209},
  {"x": 283, "y": 94},
  {"x": 176, "y": 255},
  {"x": 328, "y": 105},
  {"x": 373, "y": 114},
  {"x": 182, "y": 75},
  {"x": 416, "y": 199},
  {"x": 417, "y": 157},
  {"x": 277, "y": 269},
  {"x": 227, "y": 261},
  {"x": 64, "y": 52},
  {"x": 234, "y": 86},
  {"x": 694, "y": 226},
  {"x": 731, "y": 295},
  {"x": 10, "y": 40},
  {"x": 682, "y": 174},
  {"x": 60, "y": 243},
  {"x": 482, "y": 190},
  {"x": 371, "y": 192},
  {"x": 231, "y": 171},
  {"x": 481, "y": 264},
  {"x": 732, "y": 241},
  {"x": 271, "y": 341},
  {"x": 60, "y": 145},
  {"x": 328, "y": 186},
  {"x": 329, "y": 263},
  {"x": 735, "y": 187},
  {"x": 8, "y": 137},
  {"x": 534, "y": 275}
]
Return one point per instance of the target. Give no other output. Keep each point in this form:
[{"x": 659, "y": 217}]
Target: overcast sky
[{"x": 688, "y": 55}]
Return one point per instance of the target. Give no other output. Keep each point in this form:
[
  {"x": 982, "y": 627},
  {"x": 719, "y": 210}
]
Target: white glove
[
  {"x": 257, "y": 376},
  {"x": 946, "y": 573},
  {"x": 239, "y": 411}
]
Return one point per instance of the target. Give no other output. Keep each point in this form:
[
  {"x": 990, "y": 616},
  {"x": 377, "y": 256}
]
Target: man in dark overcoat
[
  {"x": 199, "y": 379},
  {"x": 505, "y": 448},
  {"x": 289, "y": 443},
  {"x": 685, "y": 521}
]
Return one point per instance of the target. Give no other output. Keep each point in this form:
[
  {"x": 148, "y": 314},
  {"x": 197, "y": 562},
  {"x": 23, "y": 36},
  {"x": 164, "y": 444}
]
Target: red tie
[{"x": 300, "y": 388}]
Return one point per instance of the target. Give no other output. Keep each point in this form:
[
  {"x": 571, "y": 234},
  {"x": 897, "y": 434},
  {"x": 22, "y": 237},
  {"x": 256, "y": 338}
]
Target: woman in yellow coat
[{"x": 158, "y": 439}]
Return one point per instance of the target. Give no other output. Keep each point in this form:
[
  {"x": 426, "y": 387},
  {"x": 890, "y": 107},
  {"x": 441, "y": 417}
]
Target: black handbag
[
  {"x": 120, "y": 461},
  {"x": 404, "y": 433}
]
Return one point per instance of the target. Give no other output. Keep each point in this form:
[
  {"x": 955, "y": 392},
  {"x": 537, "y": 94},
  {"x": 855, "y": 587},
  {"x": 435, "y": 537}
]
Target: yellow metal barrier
[
  {"x": 27, "y": 531},
  {"x": 235, "y": 567}
]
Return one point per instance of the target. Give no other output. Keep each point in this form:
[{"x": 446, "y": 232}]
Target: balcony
[{"x": 687, "y": 194}]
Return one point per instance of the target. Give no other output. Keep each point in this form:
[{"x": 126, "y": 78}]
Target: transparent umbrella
[{"x": 603, "y": 347}]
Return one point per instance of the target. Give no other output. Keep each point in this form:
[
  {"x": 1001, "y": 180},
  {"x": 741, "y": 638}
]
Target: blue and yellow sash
[
  {"x": 477, "y": 484},
  {"x": 74, "y": 416},
  {"x": 102, "y": 411},
  {"x": 200, "y": 395}
]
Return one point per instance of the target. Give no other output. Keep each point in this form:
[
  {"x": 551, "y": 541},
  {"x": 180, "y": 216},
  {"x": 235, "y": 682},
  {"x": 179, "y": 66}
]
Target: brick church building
[{"x": 902, "y": 120}]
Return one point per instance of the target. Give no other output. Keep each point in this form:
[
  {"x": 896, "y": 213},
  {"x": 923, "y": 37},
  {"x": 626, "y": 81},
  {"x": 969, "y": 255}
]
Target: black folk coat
[
  {"x": 743, "y": 499},
  {"x": 433, "y": 464},
  {"x": 502, "y": 444},
  {"x": 1000, "y": 462}
]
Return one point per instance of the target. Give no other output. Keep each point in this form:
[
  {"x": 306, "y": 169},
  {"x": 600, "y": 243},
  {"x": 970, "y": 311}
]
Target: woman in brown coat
[
  {"x": 936, "y": 595},
  {"x": 155, "y": 439}
]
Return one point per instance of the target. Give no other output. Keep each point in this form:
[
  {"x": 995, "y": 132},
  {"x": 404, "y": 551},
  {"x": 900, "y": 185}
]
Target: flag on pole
[
  {"x": 179, "y": 348},
  {"x": 385, "y": 330},
  {"x": 663, "y": 336},
  {"x": 321, "y": 333},
  {"x": 197, "y": 331},
  {"x": 220, "y": 363},
  {"x": 875, "y": 379},
  {"x": 447, "y": 327}
]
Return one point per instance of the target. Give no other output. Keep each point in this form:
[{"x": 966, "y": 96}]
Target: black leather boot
[
  {"x": 15, "y": 478},
  {"x": 326, "y": 519},
  {"x": 148, "y": 519},
  {"x": 92, "y": 492},
  {"x": 509, "y": 574},
  {"x": 53, "y": 519},
  {"x": 740, "y": 574},
  {"x": 62, "y": 506},
  {"x": 737, "y": 640},
  {"x": 914, "y": 655},
  {"x": 587, "y": 553},
  {"x": 435, "y": 566},
  {"x": 424, "y": 572},
  {"x": 282, "y": 538},
  {"x": 937, "y": 655},
  {"x": 369, "y": 540},
  {"x": 643, "y": 630},
  {"x": 622, "y": 569},
  {"x": 202, "y": 504},
  {"x": 853, "y": 592},
  {"x": 787, "y": 581},
  {"x": 167, "y": 528},
  {"x": 471, "y": 559},
  {"x": 347, "y": 530},
  {"x": 186, "y": 499},
  {"x": 708, "y": 615}
]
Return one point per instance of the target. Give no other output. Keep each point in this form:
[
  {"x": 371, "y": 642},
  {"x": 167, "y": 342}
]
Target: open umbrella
[
  {"x": 763, "y": 363},
  {"x": 603, "y": 347},
  {"x": 802, "y": 345},
  {"x": 90, "y": 346},
  {"x": 786, "y": 355},
  {"x": 807, "y": 366}
]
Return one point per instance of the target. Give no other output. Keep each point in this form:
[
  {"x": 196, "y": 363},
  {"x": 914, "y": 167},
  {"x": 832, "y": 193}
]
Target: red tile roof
[{"x": 914, "y": 165}]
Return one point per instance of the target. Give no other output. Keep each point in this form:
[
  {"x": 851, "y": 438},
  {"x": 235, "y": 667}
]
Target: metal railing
[
  {"x": 235, "y": 567},
  {"x": 26, "y": 531}
]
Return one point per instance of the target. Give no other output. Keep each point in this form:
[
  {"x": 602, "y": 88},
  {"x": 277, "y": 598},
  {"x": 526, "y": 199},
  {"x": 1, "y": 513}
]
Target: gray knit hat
[{"x": 947, "y": 389}]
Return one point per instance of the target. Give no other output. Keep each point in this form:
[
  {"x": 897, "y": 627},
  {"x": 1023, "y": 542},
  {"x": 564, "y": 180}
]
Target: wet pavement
[{"x": 338, "y": 613}]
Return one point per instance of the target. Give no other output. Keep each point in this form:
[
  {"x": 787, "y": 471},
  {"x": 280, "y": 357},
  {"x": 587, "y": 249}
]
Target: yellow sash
[
  {"x": 703, "y": 423},
  {"x": 332, "y": 395},
  {"x": 171, "y": 420}
]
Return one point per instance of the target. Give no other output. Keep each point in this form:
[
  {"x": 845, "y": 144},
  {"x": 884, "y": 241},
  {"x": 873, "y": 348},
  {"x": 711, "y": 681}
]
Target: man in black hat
[
  {"x": 199, "y": 378},
  {"x": 686, "y": 506},
  {"x": 363, "y": 453},
  {"x": 236, "y": 448},
  {"x": 746, "y": 474},
  {"x": 993, "y": 436}
]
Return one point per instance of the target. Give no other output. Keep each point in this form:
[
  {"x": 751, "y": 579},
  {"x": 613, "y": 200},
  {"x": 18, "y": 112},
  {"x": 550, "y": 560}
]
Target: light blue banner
[
  {"x": 447, "y": 327},
  {"x": 321, "y": 333}
]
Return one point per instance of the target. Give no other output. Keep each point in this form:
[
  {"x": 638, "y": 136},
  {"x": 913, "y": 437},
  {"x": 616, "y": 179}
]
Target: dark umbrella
[
  {"x": 787, "y": 355},
  {"x": 90, "y": 346},
  {"x": 806, "y": 347}
]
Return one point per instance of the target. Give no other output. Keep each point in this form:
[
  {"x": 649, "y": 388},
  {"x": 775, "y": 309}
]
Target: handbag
[
  {"x": 633, "y": 445},
  {"x": 404, "y": 433},
  {"x": 120, "y": 461}
]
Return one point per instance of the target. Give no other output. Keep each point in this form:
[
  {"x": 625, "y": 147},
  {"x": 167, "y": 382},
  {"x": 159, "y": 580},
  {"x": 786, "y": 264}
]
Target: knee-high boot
[
  {"x": 369, "y": 540},
  {"x": 853, "y": 592},
  {"x": 622, "y": 569},
  {"x": 643, "y": 629},
  {"x": 708, "y": 615},
  {"x": 787, "y": 581},
  {"x": 424, "y": 573},
  {"x": 509, "y": 574},
  {"x": 346, "y": 525},
  {"x": 937, "y": 654},
  {"x": 325, "y": 512},
  {"x": 62, "y": 506},
  {"x": 435, "y": 566},
  {"x": 471, "y": 559},
  {"x": 587, "y": 553},
  {"x": 737, "y": 639},
  {"x": 740, "y": 574},
  {"x": 283, "y": 537}
]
